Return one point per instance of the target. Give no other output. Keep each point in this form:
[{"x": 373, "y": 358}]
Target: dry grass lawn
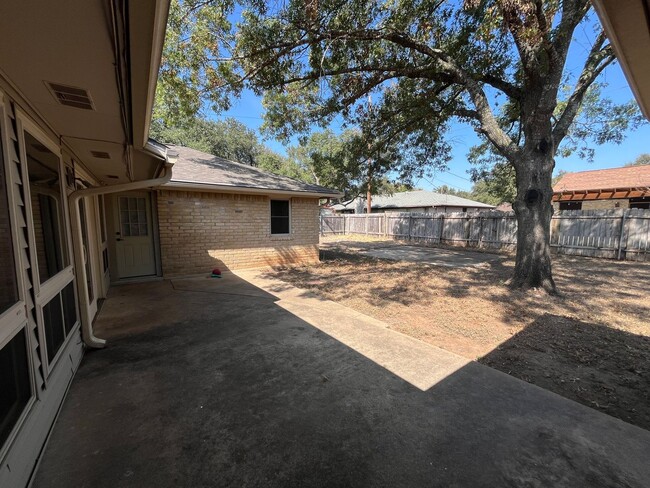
[{"x": 591, "y": 345}]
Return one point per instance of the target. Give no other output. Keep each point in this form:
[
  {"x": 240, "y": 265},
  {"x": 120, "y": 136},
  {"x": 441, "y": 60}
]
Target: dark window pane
[
  {"x": 570, "y": 205},
  {"x": 279, "y": 225},
  {"x": 8, "y": 286},
  {"x": 15, "y": 388},
  {"x": 86, "y": 245},
  {"x": 47, "y": 208},
  {"x": 102, "y": 221},
  {"x": 279, "y": 208},
  {"x": 53, "y": 323},
  {"x": 69, "y": 306},
  {"x": 280, "y": 217},
  {"x": 105, "y": 259}
]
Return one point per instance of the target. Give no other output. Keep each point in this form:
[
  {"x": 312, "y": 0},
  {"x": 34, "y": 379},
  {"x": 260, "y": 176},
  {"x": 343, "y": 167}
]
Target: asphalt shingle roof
[
  {"x": 605, "y": 179},
  {"x": 420, "y": 198},
  {"x": 194, "y": 166}
]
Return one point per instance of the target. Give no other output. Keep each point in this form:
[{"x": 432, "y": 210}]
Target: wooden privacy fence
[{"x": 613, "y": 234}]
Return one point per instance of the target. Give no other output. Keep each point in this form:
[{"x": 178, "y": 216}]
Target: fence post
[
  {"x": 442, "y": 227},
  {"x": 345, "y": 218},
  {"x": 410, "y": 225},
  {"x": 385, "y": 224},
  {"x": 620, "y": 237},
  {"x": 366, "y": 226}
]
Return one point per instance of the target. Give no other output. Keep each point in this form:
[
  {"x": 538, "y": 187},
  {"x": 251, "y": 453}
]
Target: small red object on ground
[{"x": 216, "y": 271}]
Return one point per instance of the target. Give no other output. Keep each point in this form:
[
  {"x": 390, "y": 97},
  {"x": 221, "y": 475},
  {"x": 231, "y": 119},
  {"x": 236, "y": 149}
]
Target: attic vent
[
  {"x": 71, "y": 96},
  {"x": 100, "y": 154}
]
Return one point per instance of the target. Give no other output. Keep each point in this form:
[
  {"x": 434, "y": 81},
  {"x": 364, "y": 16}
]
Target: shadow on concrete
[{"x": 212, "y": 383}]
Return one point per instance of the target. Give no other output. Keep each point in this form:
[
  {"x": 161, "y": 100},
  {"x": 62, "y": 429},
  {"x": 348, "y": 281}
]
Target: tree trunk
[
  {"x": 534, "y": 211},
  {"x": 369, "y": 189}
]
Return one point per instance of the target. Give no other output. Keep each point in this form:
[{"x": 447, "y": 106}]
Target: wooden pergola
[{"x": 601, "y": 194}]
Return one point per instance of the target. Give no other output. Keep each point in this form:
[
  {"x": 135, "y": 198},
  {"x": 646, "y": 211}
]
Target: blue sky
[{"x": 248, "y": 110}]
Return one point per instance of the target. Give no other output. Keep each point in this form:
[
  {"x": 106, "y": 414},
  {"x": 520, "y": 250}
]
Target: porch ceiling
[{"x": 71, "y": 42}]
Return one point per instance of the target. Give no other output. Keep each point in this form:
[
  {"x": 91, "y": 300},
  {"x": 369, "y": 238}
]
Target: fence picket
[{"x": 614, "y": 234}]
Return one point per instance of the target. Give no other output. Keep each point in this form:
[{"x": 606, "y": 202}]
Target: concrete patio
[{"x": 245, "y": 381}]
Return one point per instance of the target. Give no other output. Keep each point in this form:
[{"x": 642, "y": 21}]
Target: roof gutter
[
  {"x": 87, "y": 333},
  {"x": 188, "y": 185}
]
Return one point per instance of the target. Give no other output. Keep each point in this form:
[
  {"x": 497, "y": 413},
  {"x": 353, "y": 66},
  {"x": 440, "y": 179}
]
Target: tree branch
[{"x": 599, "y": 58}]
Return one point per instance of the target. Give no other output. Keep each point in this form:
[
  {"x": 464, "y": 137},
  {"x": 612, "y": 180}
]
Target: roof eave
[
  {"x": 190, "y": 185},
  {"x": 627, "y": 25}
]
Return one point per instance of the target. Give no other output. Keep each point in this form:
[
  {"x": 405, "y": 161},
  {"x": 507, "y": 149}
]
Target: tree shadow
[
  {"x": 604, "y": 304},
  {"x": 227, "y": 387},
  {"x": 600, "y": 367}
]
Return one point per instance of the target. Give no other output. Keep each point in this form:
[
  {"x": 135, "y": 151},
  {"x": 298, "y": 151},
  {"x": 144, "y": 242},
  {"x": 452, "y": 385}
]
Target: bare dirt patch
[{"x": 591, "y": 345}]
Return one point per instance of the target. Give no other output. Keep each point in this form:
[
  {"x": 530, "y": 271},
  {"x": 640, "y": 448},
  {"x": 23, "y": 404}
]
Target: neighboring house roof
[
  {"x": 415, "y": 199},
  {"x": 197, "y": 169},
  {"x": 605, "y": 179},
  {"x": 504, "y": 207}
]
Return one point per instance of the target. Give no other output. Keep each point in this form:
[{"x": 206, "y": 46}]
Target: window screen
[
  {"x": 47, "y": 208},
  {"x": 280, "y": 217},
  {"x": 15, "y": 387}
]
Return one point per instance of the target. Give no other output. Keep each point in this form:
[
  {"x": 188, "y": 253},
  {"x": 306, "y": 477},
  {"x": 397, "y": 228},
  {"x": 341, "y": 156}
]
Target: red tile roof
[{"x": 605, "y": 179}]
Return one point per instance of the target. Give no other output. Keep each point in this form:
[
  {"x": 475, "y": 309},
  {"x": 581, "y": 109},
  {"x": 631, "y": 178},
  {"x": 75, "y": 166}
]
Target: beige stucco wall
[
  {"x": 203, "y": 230},
  {"x": 600, "y": 204}
]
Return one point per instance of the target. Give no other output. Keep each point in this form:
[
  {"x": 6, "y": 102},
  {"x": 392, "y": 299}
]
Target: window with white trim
[
  {"x": 280, "y": 217},
  {"x": 15, "y": 376},
  {"x": 47, "y": 208}
]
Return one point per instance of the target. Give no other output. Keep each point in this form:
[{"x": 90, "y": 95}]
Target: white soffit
[{"x": 627, "y": 24}]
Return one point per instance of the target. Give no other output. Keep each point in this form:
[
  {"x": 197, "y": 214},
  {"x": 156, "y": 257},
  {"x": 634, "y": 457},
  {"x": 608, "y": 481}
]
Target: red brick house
[{"x": 626, "y": 187}]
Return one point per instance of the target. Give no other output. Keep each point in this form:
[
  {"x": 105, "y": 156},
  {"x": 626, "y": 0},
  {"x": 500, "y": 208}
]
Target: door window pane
[
  {"x": 15, "y": 387},
  {"x": 133, "y": 216},
  {"x": 53, "y": 324},
  {"x": 8, "y": 284},
  {"x": 280, "y": 217},
  {"x": 47, "y": 208}
]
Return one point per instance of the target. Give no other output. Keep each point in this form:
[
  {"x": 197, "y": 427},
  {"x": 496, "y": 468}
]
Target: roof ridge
[{"x": 606, "y": 169}]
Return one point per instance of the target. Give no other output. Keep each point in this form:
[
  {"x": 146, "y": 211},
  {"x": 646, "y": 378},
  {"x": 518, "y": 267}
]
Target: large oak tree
[{"x": 499, "y": 65}]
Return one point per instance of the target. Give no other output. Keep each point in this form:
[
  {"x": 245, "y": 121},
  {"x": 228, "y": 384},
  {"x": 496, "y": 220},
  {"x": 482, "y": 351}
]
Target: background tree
[
  {"x": 228, "y": 139},
  {"x": 641, "y": 160},
  {"x": 499, "y": 65}
]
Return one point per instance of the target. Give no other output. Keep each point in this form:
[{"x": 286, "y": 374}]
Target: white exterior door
[{"x": 134, "y": 244}]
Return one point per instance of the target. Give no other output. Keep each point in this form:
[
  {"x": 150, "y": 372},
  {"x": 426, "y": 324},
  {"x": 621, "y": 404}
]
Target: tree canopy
[
  {"x": 400, "y": 73},
  {"x": 641, "y": 160}
]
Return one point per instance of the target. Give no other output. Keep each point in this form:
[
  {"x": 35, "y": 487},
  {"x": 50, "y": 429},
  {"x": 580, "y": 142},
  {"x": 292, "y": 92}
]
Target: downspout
[{"x": 89, "y": 337}]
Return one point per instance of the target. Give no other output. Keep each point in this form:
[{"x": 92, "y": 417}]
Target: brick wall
[
  {"x": 203, "y": 230},
  {"x": 600, "y": 204}
]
